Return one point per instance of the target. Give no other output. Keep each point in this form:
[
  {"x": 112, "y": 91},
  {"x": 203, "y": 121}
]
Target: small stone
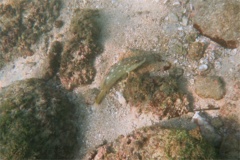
[
  {"x": 203, "y": 67},
  {"x": 184, "y": 21},
  {"x": 196, "y": 50},
  {"x": 217, "y": 122},
  {"x": 58, "y": 23},
  {"x": 210, "y": 87},
  {"x": 176, "y": 72},
  {"x": 172, "y": 17}
]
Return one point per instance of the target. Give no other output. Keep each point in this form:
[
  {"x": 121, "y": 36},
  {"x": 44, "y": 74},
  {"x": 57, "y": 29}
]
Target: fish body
[{"x": 118, "y": 71}]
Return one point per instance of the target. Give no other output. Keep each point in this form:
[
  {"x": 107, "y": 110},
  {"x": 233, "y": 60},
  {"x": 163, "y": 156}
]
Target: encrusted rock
[
  {"x": 54, "y": 56},
  {"x": 156, "y": 143},
  {"x": 22, "y": 23},
  {"x": 210, "y": 87},
  {"x": 36, "y": 121},
  {"x": 157, "y": 95},
  {"x": 79, "y": 52},
  {"x": 219, "y": 20},
  {"x": 230, "y": 148}
]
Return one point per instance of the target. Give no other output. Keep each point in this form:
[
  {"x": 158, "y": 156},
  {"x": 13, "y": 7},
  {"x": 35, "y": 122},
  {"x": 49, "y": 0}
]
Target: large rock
[
  {"x": 219, "y": 20},
  {"x": 156, "y": 143},
  {"x": 77, "y": 67},
  {"x": 36, "y": 121}
]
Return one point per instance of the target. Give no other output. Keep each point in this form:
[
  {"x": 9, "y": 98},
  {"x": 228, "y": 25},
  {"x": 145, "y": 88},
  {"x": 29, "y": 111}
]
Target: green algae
[{"x": 36, "y": 121}]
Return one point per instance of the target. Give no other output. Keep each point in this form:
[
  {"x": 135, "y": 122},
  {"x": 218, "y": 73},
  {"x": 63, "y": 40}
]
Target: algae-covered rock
[
  {"x": 80, "y": 50},
  {"x": 36, "y": 122},
  {"x": 210, "y": 87},
  {"x": 54, "y": 56},
  {"x": 230, "y": 148},
  {"x": 22, "y": 23},
  {"x": 156, "y": 143},
  {"x": 155, "y": 94}
]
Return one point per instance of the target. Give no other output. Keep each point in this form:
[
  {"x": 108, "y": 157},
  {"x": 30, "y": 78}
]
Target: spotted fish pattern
[{"x": 116, "y": 72}]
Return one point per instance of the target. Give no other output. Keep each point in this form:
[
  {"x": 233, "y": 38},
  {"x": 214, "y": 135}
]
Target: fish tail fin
[{"x": 100, "y": 97}]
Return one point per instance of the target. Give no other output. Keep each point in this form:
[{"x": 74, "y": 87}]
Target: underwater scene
[{"x": 119, "y": 79}]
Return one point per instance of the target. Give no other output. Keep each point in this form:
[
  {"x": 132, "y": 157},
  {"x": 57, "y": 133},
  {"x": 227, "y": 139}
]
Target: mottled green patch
[
  {"x": 36, "y": 121},
  {"x": 156, "y": 143}
]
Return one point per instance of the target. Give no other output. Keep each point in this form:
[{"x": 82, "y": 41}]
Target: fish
[{"x": 118, "y": 71}]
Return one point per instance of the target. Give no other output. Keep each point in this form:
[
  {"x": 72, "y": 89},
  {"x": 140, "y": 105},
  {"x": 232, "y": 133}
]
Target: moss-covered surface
[
  {"x": 36, "y": 121},
  {"x": 22, "y": 23},
  {"x": 155, "y": 94},
  {"x": 54, "y": 57},
  {"x": 156, "y": 143},
  {"x": 80, "y": 49}
]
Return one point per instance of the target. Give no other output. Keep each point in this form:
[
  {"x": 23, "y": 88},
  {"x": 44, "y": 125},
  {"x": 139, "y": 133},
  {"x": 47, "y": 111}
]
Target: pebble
[
  {"x": 217, "y": 65},
  {"x": 184, "y": 21},
  {"x": 210, "y": 87},
  {"x": 203, "y": 67},
  {"x": 196, "y": 50}
]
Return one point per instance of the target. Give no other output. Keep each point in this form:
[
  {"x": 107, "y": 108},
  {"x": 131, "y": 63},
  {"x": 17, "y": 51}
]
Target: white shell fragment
[{"x": 203, "y": 67}]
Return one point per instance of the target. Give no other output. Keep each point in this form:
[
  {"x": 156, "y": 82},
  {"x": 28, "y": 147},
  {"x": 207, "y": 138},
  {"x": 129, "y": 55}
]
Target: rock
[
  {"x": 196, "y": 50},
  {"x": 36, "y": 121},
  {"x": 156, "y": 143},
  {"x": 230, "y": 147},
  {"x": 58, "y": 23},
  {"x": 210, "y": 87},
  {"x": 79, "y": 52},
  {"x": 157, "y": 95},
  {"x": 54, "y": 55},
  {"x": 219, "y": 20},
  {"x": 176, "y": 72},
  {"x": 22, "y": 24},
  {"x": 202, "y": 67}
]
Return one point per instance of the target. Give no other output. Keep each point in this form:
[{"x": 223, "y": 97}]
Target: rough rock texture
[
  {"x": 157, "y": 95},
  {"x": 22, "y": 23},
  {"x": 54, "y": 55},
  {"x": 156, "y": 143},
  {"x": 230, "y": 147},
  {"x": 219, "y": 20},
  {"x": 36, "y": 121},
  {"x": 196, "y": 50},
  {"x": 79, "y": 52},
  {"x": 210, "y": 87}
]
